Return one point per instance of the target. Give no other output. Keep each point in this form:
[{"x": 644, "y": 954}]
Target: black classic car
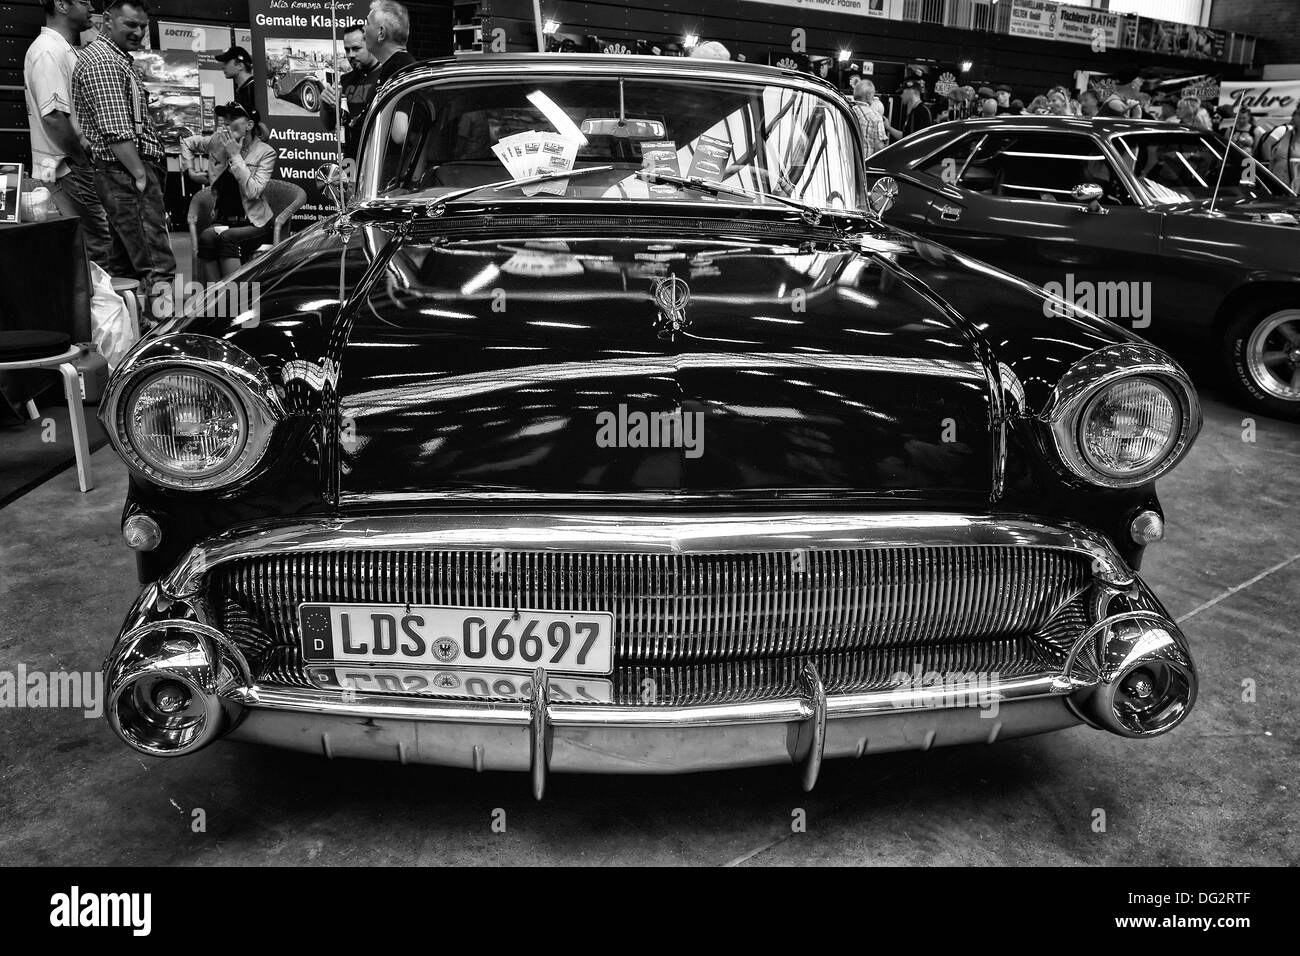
[
  {"x": 1163, "y": 229},
  {"x": 656, "y": 453}
]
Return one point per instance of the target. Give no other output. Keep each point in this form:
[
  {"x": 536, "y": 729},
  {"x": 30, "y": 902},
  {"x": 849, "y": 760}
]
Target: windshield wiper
[
  {"x": 434, "y": 207},
  {"x": 811, "y": 214}
]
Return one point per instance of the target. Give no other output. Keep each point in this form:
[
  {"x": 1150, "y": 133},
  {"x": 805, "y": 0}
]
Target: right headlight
[
  {"x": 191, "y": 412},
  {"x": 1123, "y": 416},
  {"x": 185, "y": 425}
]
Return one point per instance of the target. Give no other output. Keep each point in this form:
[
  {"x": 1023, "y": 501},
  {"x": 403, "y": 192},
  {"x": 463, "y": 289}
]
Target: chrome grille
[{"x": 686, "y": 608}]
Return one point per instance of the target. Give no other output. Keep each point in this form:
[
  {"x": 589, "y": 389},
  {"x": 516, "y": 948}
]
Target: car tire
[
  {"x": 1261, "y": 355},
  {"x": 309, "y": 97}
]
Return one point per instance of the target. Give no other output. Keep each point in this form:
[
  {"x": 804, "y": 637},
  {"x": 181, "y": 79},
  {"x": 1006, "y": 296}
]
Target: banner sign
[
  {"x": 1089, "y": 27},
  {"x": 1047, "y": 20},
  {"x": 882, "y": 9},
  {"x": 1033, "y": 18},
  {"x": 1270, "y": 102},
  {"x": 295, "y": 59}
]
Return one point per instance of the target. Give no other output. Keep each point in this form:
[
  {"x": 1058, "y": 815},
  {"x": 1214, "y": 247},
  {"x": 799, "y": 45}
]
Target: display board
[
  {"x": 1046, "y": 20},
  {"x": 1270, "y": 102},
  {"x": 298, "y": 52}
]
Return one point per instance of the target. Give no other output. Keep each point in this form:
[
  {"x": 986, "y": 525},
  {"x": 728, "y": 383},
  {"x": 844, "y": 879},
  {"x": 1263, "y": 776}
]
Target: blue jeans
[{"x": 137, "y": 220}]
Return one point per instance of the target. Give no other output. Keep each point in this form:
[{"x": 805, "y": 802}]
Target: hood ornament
[{"x": 671, "y": 294}]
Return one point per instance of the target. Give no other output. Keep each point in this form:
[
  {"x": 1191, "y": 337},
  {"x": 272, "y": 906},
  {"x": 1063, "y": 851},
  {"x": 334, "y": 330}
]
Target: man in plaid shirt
[{"x": 112, "y": 106}]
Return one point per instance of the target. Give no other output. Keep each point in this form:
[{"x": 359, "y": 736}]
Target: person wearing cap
[
  {"x": 916, "y": 115},
  {"x": 1003, "y": 93},
  {"x": 240, "y": 164},
  {"x": 237, "y": 65},
  {"x": 112, "y": 108}
]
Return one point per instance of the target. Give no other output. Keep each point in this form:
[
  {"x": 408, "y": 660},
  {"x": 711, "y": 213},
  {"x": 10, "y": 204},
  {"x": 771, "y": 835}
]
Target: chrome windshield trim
[
  {"x": 513, "y": 66},
  {"x": 641, "y": 532}
]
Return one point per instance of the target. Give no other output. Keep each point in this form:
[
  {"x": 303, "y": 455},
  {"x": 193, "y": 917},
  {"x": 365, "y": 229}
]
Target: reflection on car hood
[
  {"x": 1270, "y": 212},
  {"x": 537, "y": 367}
]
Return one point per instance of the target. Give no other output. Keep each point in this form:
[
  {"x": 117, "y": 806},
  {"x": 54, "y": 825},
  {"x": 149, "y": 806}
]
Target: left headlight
[
  {"x": 1123, "y": 416},
  {"x": 191, "y": 412}
]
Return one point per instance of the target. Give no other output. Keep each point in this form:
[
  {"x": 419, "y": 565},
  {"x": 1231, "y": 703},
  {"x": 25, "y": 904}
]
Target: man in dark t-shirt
[
  {"x": 357, "y": 89},
  {"x": 387, "y": 28},
  {"x": 916, "y": 115}
]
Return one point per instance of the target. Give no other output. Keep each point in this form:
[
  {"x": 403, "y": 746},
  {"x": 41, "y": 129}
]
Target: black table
[{"x": 44, "y": 284}]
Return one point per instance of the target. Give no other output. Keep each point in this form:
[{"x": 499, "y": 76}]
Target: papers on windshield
[{"x": 533, "y": 153}]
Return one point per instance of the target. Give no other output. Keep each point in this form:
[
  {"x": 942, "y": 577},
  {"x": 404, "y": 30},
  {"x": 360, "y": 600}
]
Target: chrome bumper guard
[{"x": 175, "y": 683}]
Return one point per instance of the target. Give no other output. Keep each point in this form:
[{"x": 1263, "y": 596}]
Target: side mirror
[
  {"x": 882, "y": 196},
  {"x": 1089, "y": 195}
]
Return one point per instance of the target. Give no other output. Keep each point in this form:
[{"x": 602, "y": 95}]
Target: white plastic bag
[{"x": 110, "y": 323}]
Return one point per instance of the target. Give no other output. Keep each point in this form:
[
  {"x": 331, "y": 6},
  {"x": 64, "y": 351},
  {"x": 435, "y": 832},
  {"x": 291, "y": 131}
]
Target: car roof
[{"x": 1106, "y": 125}]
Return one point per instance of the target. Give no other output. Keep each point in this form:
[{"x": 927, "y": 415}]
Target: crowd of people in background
[
  {"x": 1125, "y": 97},
  {"x": 97, "y": 152}
]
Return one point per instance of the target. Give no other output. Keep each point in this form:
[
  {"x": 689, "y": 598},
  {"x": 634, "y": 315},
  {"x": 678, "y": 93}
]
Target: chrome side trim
[
  {"x": 1098, "y": 370},
  {"x": 230, "y": 365},
  {"x": 644, "y": 533}
]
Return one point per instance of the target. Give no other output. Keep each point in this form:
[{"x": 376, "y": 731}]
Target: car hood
[
  {"x": 1283, "y": 212},
  {"x": 537, "y": 367}
]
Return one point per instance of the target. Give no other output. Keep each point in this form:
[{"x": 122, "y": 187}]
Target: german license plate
[
  {"x": 500, "y": 685},
  {"x": 483, "y": 638}
]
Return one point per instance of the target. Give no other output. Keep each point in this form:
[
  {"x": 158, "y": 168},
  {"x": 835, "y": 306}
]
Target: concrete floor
[{"x": 1221, "y": 789}]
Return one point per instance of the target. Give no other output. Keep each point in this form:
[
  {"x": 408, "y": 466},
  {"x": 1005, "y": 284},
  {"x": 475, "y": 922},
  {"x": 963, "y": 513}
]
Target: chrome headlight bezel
[
  {"x": 1086, "y": 380},
  {"x": 230, "y": 367}
]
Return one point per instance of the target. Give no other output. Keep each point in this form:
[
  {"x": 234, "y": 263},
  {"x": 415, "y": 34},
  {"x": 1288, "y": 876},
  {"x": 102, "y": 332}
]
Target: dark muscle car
[
  {"x": 666, "y": 457},
  {"x": 1147, "y": 224}
]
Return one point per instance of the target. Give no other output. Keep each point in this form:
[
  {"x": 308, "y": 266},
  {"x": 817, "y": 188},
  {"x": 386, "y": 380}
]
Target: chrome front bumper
[{"x": 169, "y": 637}]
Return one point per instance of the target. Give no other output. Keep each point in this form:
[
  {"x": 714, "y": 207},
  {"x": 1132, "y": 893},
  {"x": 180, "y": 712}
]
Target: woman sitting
[{"x": 240, "y": 164}]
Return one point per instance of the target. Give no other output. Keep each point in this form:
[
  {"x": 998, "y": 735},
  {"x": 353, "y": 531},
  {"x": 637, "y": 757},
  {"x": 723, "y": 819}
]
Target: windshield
[
  {"x": 764, "y": 139},
  {"x": 1183, "y": 167}
]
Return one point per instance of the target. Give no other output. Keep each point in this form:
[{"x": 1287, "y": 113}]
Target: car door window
[{"x": 1043, "y": 167}]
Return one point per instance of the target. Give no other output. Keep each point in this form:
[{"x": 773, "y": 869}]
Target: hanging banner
[
  {"x": 1033, "y": 18},
  {"x": 1047, "y": 20},
  {"x": 1271, "y": 102},
  {"x": 881, "y": 9},
  {"x": 295, "y": 59},
  {"x": 1096, "y": 28}
]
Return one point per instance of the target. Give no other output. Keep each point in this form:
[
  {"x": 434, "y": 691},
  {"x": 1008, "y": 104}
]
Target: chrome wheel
[{"x": 1273, "y": 354}]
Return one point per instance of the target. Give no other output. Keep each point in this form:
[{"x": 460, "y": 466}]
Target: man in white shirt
[{"x": 59, "y": 157}]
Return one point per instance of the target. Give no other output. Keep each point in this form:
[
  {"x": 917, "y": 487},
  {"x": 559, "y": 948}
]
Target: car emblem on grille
[
  {"x": 671, "y": 294},
  {"x": 445, "y": 650},
  {"x": 445, "y": 681}
]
